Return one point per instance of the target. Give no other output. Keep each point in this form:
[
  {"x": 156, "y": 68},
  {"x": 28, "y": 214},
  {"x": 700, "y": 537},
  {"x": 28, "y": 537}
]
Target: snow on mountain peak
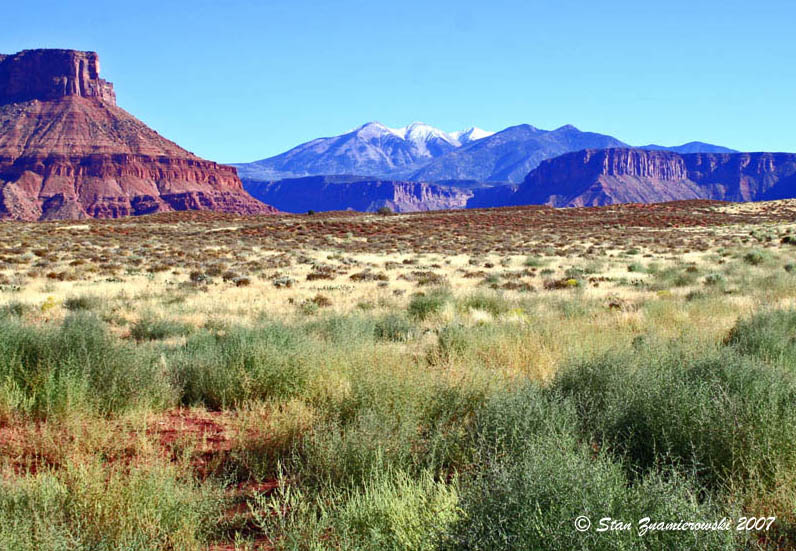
[
  {"x": 420, "y": 133},
  {"x": 471, "y": 134},
  {"x": 374, "y": 130}
]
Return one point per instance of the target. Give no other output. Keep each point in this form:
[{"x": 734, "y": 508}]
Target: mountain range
[
  {"x": 422, "y": 153},
  {"x": 420, "y": 167},
  {"x": 372, "y": 150},
  {"x": 591, "y": 177}
]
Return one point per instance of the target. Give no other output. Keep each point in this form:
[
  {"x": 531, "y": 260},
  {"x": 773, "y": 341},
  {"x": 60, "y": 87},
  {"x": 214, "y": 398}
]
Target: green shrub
[
  {"x": 393, "y": 511},
  {"x": 77, "y": 365},
  {"x": 755, "y": 258},
  {"x": 15, "y": 308},
  {"x": 155, "y": 329},
  {"x": 349, "y": 452},
  {"x": 391, "y": 416},
  {"x": 308, "y": 307},
  {"x": 453, "y": 340},
  {"x": 197, "y": 277},
  {"x": 92, "y": 506},
  {"x": 534, "y": 262},
  {"x": 534, "y": 476},
  {"x": 342, "y": 329},
  {"x": 494, "y": 304},
  {"x": 426, "y": 304},
  {"x": 283, "y": 281},
  {"x": 673, "y": 277},
  {"x": 227, "y": 369},
  {"x": 715, "y": 280},
  {"x": 717, "y": 414},
  {"x": 393, "y": 327},
  {"x": 82, "y": 302},
  {"x": 574, "y": 273},
  {"x": 398, "y": 512},
  {"x": 770, "y": 335}
]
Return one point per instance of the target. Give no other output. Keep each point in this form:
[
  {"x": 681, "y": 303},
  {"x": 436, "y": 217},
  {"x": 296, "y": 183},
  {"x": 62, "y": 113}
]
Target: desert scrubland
[{"x": 449, "y": 380}]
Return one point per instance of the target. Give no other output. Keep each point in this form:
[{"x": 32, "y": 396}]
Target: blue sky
[{"x": 243, "y": 80}]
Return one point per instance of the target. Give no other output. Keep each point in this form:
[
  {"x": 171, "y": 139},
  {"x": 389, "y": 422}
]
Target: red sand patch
[{"x": 207, "y": 433}]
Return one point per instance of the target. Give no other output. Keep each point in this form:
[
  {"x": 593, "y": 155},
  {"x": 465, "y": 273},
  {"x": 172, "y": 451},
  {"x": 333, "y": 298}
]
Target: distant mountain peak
[
  {"x": 524, "y": 126},
  {"x": 690, "y": 147}
]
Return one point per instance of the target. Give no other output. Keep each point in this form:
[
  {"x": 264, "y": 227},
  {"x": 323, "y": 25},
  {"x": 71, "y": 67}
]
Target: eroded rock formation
[
  {"x": 608, "y": 176},
  {"x": 322, "y": 193},
  {"x": 67, "y": 150}
]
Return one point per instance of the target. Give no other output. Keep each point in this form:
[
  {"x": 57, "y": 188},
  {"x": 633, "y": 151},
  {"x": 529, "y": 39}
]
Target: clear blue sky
[{"x": 242, "y": 80}]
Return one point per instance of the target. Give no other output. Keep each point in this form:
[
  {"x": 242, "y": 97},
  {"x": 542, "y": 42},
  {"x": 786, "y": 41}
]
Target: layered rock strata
[{"x": 67, "y": 150}]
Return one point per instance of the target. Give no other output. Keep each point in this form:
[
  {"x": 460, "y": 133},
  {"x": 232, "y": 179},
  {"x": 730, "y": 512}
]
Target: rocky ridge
[{"x": 623, "y": 175}]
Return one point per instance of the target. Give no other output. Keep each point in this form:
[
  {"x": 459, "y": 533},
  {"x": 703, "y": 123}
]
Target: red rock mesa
[{"x": 67, "y": 150}]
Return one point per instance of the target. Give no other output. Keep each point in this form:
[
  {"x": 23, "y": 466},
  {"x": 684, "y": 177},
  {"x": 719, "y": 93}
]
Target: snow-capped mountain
[
  {"x": 421, "y": 133},
  {"x": 372, "y": 149},
  {"x": 421, "y": 153}
]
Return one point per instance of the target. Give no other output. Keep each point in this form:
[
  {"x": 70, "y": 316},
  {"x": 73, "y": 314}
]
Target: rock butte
[{"x": 67, "y": 151}]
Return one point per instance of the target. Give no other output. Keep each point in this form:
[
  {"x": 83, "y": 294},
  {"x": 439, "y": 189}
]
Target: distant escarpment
[
  {"x": 67, "y": 150},
  {"x": 609, "y": 176},
  {"x": 322, "y": 193}
]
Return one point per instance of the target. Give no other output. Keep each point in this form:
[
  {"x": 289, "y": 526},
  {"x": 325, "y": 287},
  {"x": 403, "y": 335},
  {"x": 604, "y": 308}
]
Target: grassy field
[{"x": 452, "y": 380}]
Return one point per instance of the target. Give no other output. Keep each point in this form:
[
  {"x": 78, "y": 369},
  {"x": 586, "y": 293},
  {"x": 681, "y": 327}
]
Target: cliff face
[
  {"x": 320, "y": 193},
  {"x": 67, "y": 151},
  {"x": 602, "y": 177},
  {"x": 744, "y": 176},
  {"x": 52, "y": 74},
  {"x": 415, "y": 197}
]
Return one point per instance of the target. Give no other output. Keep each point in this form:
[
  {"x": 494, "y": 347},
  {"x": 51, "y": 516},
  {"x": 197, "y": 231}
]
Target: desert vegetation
[{"x": 451, "y": 380}]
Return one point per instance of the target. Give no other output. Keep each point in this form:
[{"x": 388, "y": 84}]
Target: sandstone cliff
[
  {"x": 608, "y": 176},
  {"x": 52, "y": 74},
  {"x": 322, "y": 193},
  {"x": 67, "y": 150}
]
